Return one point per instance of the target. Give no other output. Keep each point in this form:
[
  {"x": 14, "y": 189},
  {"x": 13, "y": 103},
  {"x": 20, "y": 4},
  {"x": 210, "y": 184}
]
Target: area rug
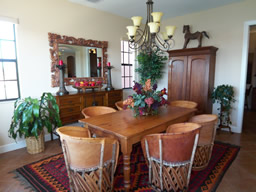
[{"x": 50, "y": 174}]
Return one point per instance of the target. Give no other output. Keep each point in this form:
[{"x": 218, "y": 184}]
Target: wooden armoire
[{"x": 191, "y": 76}]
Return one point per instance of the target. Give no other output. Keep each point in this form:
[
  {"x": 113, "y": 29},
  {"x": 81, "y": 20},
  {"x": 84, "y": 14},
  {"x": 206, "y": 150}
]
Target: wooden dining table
[{"x": 129, "y": 130}]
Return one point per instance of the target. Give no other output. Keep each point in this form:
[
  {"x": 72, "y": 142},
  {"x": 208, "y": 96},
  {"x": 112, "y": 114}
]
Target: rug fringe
[{"x": 23, "y": 181}]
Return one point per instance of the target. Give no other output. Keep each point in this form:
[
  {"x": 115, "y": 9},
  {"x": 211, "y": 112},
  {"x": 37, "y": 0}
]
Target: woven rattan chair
[
  {"x": 170, "y": 157},
  {"x": 97, "y": 110},
  {"x": 206, "y": 140},
  {"x": 183, "y": 103},
  {"x": 90, "y": 162},
  {"x": 119, "y": 105}
]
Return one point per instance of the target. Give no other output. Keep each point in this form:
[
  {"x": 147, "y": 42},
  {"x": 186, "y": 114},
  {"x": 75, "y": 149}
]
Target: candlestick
[
  {"x": 109, "y": 85},
  {"x": 62, "y": 88},
  {"x": 98, "y": 71}
]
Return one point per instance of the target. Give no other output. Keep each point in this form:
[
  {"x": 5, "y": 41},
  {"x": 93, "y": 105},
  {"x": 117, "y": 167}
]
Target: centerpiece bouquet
[{"x": 146, "y": 100}]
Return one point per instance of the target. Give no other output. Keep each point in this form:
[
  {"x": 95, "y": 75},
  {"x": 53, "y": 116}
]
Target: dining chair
[
  {"x": 170, "y": 156},
  {"x": 206, "y": 140},
  {"x": 97, "y": 110},
  {"x": 184, "y": 103},
  {"x": 90, "y": 162},
  {"x": 119, "y": 105}
]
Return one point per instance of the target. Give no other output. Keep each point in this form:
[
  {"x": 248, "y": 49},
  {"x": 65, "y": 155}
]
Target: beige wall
[
  {"x": 36, "y": 19},
  {"x": 225, "y": 26}
]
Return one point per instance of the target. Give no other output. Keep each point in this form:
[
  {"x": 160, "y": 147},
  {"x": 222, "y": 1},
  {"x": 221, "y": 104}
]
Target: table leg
[{"x": 126, "y": 150}]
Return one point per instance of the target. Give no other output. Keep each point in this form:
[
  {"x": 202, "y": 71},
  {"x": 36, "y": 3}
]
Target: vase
[{"x": 148, "y": 112}]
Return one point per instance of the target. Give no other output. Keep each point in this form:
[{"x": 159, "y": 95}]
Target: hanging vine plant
[
  {"x": 224, "y": 95},
  {"x": 151, "y": 65}
]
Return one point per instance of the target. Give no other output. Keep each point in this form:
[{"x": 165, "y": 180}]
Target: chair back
[
  {"x": 184, "y": 103},
  {"x": 206, "y": 140},
  {"x": 97, "y": 110},
  {"x": 170, "y": 156},
  {"x": 90, "y": 162},
  {"x": 119, "y": 105},
  {"x": 208, "y": 130}
]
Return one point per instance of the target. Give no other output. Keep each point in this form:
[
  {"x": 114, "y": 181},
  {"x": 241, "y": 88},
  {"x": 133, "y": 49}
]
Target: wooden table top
[{"x": 124, "y": 125}]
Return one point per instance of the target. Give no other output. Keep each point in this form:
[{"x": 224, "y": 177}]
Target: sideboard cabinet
[
  {"x": 191, "y": 76},
  {"x": 72, "y": 104}
]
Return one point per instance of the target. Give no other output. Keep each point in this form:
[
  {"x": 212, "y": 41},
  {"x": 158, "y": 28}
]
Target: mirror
[
  {"x": 81, "y": 58},
  {"x": 81, "y": 61}
]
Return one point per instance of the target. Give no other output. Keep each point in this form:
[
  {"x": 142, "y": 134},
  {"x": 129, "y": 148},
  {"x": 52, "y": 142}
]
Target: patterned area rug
[{"x": 50, "y": 174}]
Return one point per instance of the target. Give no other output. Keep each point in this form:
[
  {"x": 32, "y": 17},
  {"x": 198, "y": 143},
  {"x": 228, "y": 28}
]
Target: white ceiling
[{"x": 170, "y": 8}]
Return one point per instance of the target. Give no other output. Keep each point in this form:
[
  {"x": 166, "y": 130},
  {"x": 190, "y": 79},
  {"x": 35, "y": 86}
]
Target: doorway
[
  {"x": 71, "y": 66},
  {"x": 248, "y": 76},
  {"x": 250, "y": 93}
]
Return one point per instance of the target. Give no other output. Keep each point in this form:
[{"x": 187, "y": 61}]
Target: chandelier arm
[{"x": 165, "y": 45}]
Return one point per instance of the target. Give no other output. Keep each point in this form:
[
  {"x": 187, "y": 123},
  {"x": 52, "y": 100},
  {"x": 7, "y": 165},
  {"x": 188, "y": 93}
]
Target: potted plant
[
  {"x": 31, "y": 116},
  {"x": 151, "y": 65},
  {"x": 224, "y": 95}
]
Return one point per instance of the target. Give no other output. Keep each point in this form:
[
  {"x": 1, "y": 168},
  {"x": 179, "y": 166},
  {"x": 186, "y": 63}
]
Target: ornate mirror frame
[{"x": 55, "y": 40}]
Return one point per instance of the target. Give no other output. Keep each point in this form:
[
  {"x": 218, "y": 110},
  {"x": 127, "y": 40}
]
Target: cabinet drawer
[
  {"x": 70, "y": 101},
  {"x": 70, "y": 119},
  {"x": 70, "y": 110}
]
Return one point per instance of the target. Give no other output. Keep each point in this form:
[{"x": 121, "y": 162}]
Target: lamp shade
[
  {"x": 157, "y": 16},
  {"x": 170, "y": 30},
  {"x": 136, "y": 20},
  {"x": 164, "y": 35},
  {"x": 134, "y": 38},
  {"x": 131, "y": 30},
  {"x": 153, "y": 27}
]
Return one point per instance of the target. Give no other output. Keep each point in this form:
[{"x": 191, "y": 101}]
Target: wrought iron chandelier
[{"x": 150, "y": 38}]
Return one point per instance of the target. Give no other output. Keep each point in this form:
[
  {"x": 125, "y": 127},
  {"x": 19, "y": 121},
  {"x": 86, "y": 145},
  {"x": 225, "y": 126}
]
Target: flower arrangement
[{"x": 146, "y": 100}]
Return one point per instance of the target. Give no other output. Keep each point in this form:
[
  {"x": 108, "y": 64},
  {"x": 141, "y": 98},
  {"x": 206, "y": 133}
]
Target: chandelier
[{"x": 150, "y": 38}]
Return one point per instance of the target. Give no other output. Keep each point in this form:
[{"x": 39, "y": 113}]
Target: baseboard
[{"x": 21, "y": 144}]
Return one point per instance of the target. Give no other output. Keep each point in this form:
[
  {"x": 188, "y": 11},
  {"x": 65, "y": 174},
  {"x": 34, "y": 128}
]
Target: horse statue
[{"x": 197, "y": 35}]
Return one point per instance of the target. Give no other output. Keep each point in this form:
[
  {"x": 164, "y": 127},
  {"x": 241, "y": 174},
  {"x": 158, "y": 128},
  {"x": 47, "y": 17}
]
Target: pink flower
[{"x": 149, "y": 101}]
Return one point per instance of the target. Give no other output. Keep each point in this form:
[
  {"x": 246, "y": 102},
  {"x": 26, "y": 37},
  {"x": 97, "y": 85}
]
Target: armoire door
[
  {"x": 198, "y": 80},
  {"x": 177, "y": 72}
]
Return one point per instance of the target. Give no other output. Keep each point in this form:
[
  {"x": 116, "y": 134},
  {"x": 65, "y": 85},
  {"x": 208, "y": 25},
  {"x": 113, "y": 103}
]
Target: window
[
  {"x": 127, "y": 65},
  {"x": 9, "y": 85}
]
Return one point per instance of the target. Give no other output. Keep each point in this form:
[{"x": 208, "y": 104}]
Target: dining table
[{"x": 129, "y": 130}]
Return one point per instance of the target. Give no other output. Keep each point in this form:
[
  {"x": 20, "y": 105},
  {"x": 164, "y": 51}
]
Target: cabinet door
[
  {"x": 97, "y": 98},
  {"x": 113, "y": 97},
  {"x": 198, "y": 81},
  {"x": 177, "y": 72}
]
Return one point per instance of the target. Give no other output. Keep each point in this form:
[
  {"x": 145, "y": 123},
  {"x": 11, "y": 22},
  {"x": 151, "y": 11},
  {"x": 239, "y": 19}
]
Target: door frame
[{"x": 244, "y": 63}]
